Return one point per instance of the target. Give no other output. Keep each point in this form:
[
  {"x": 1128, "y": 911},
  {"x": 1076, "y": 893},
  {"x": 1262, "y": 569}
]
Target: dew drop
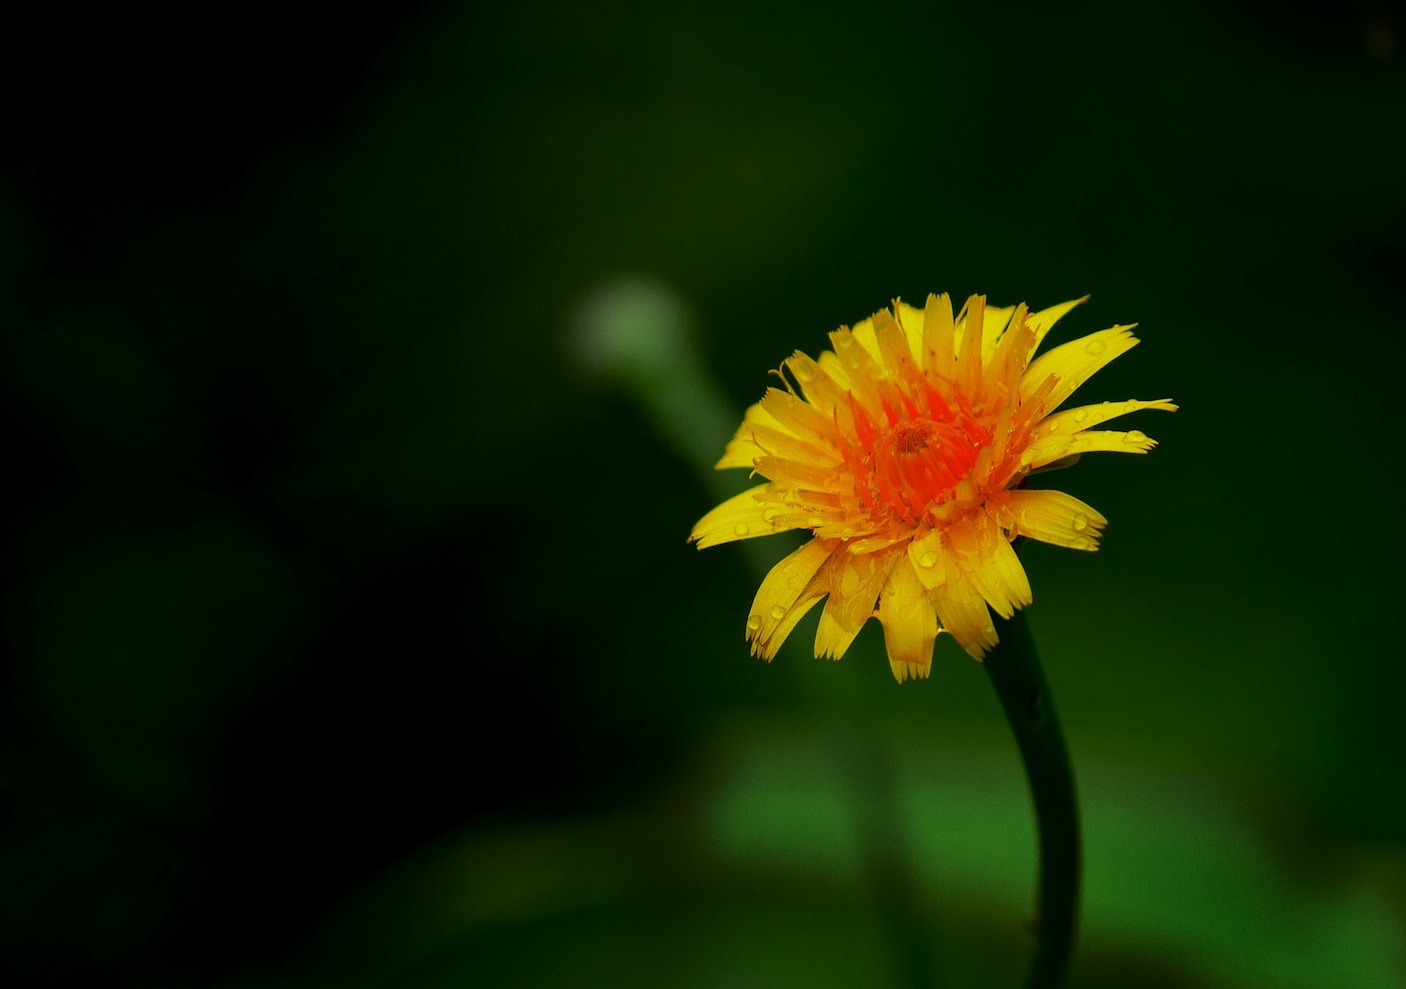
[
  {"x": 1081, "y": 522},
  {"x": 778, "y": 612},
  {"x": 803, "y": 371},
  {"x": 754, "y": 622},
  {"x": 815, "y": 521},
  {"x": 1095, "y": 347},
  {"x": 1134, "y": 436},
  {"x": 927, "y": 559},
  {"x": 1083, "y": 542},
  {"x": 1080, "y": 415},
  {"x": 1052, "y": 426},
  {"x": 770, "y": 514},
  {"x": 741, "y": 529},
  {"x": 990, "y": 630}
]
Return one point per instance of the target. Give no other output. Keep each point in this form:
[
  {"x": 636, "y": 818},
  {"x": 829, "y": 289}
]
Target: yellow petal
[
  {"x": 861, "y": 366},
  {"x": 786, "y": 594},
  {"x": 893, "y": 344},
  {"x": 832, "y": 640},
  {"x": 1008, "y": 351},
  {"x": 929, "y": 558},
  {"x": 994, "y": 325},
  {"x": 863, "y": 331},
  {"x": 803, "y": 419},
  {"x": 1088, "y": 416},
  {"x": 911, "y": 320},
  {"x": 1048, "y": 449},
  {"x": 818, "y": 380},
  {"x": 968, "y": 336},
  {"x": 963, "y": 613},
  {"x": 798, "y": 473},
  {"x": 1073, "y": 363},
  {"x": 836, "y": 369},
  {"x": 858, "y": 354},
  {"x": 1041, "y": 321},
  {"x": 742, "y": 450},
  {"x": 882, "y": 539},
  {"x": 798, "y": 610},
  {"x": 1000, "y": 578},
  {"x": 775, "y": 441},
  {"x": 855, "y": 581},
  {"x": 938, "y": 335},
  {"x": 1057, "y": 518},
  {"x": 910, "y": 623},
  {"x": 742, "y": 516}
]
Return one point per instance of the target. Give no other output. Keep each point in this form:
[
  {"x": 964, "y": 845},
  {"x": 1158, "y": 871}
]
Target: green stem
[{"x": 1020, "y": 684}]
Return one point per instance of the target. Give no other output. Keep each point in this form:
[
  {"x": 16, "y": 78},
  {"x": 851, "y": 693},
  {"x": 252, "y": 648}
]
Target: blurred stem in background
[
  {"x": 885, "y": 838},
  {"x": 1020, "y": 684},
  {"x": 638, "y": 334}
]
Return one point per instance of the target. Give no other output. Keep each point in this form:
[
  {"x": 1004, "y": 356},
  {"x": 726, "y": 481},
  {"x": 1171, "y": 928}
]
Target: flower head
[{"x": 904, "y": 452}]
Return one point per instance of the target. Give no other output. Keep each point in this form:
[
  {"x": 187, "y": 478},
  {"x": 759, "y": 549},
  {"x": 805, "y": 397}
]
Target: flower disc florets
[{"x": 903, "y": 451}]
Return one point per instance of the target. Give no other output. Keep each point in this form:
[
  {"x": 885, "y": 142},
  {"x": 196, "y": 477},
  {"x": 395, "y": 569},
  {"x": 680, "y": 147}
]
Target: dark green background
[{"x": 350, "y": 634}]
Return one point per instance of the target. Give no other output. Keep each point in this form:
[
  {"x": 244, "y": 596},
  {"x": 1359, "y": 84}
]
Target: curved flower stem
[{"x": 1020, "y": 684}]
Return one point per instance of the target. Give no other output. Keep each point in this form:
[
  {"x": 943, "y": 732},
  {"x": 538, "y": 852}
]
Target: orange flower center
[
  {"x": 914, "y": 437},
  {"x": 906, "y": 466}
]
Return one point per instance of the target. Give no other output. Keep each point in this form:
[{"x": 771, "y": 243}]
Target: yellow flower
[{"x": 904, "y": 452}]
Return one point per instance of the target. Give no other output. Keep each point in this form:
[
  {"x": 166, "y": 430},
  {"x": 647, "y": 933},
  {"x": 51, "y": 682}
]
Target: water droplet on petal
[
  {"x": 1134, "y": 436},
  {"x": 990, "y": 630},
  {"x": 927, "y": 559},
  {"x": 741, "y": 529},
  {"x": 1081, "y": 522},
  {"x": 1095, "y": 347},
  {"x": 1052, "y": 426},
  {"x": 1080, "y": 415},
  {"x": 803, "y": 371},
  {"x": 754, "y": 622},
  {"x": 778, "y": 612},
  {"x": 1083, "y": 542},
  {"x": 815, "y": 521}
]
